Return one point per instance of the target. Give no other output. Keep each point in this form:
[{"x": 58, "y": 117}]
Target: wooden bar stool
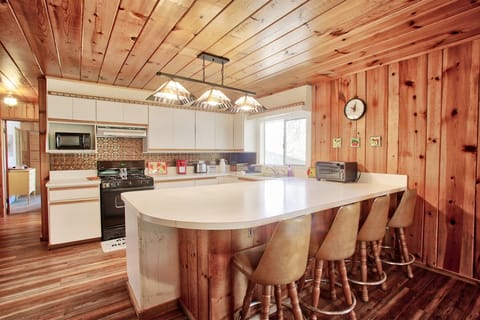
[
  {"x": 371, "y": 232},
  {"x": 402, "y": 218},
  {"x": 281, "y": 261},
  {"x": 338, "y": 245}
]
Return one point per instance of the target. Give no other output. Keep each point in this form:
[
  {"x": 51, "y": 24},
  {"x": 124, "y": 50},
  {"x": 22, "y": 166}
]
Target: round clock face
[{"x": 354, "y": 108}]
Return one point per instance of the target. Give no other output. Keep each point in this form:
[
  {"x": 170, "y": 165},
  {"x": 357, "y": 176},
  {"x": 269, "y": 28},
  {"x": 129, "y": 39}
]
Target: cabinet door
[
  {"x": 160, "y": 128},
  {"x": 84, "y": 109},
  {"x": 109, "y": 111},
  {"x": 135, "y": 113},
  {"x": 223, "y": 131},
  {"x": 238, "y": 133},
  {"x": 184, "y": 129},
  {"x": 74, "y": 221},
  {"x": 204, "y": 130},
  {"x": 59, "y": 107}
]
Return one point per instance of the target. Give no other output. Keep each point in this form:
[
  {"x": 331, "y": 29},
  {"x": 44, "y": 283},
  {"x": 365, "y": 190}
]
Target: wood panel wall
[{"x": 426, "y": 109}]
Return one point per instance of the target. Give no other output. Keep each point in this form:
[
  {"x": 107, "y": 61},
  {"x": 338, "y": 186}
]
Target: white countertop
[
  {"x": 72, "y": 178},
  {"x": 254, "y": 203}
]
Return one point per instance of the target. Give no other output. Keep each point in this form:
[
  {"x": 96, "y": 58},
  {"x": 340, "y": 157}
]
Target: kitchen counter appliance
[
  {"x": 201, "y": 167},
  {"x": 117, "y": 177},
  {"x": 336, "y": 171}
]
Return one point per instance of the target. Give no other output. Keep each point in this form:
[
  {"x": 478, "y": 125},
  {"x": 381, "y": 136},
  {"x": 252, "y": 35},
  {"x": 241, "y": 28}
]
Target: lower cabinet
[{"x": 73, "y": 215}]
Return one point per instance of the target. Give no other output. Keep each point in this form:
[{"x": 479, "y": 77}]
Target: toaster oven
[{"x": 336, "y": 171}]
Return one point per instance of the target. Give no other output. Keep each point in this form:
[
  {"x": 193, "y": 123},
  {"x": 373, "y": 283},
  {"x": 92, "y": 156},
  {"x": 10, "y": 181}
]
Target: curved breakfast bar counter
[{"x": 181, "y": 240}]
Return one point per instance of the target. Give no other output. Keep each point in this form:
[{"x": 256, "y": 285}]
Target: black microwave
[{"x": 72, "y": 140}]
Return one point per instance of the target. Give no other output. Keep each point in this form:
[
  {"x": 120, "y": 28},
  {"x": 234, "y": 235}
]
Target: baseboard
[
  {"x": 152, "y": 312},
  {"x": 67, "y": 244},
  {"x": 448, "y": 273}
]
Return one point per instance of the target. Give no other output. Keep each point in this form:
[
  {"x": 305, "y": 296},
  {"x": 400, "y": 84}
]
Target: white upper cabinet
[
  {"x": 68, "y": 108},
  {"x": 171, "y": 128},
  {"x": 59, "y": 107},
  {"x": 121, "y": 113},
  {"x": 204, "y": 130},
  {"x": 84, "y": 109},
  {"x": 184, "y": 129},
  {"x": 135, "y": 113},
  {"x": 238, "y": 131},
  {"x": 223, "y": 131}
]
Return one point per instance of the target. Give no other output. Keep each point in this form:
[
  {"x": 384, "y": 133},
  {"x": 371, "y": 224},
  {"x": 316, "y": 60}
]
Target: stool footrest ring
[
  {"x": 370, "y": 283},
  {"x": 311, "y": 308},
  {"x": 398, "y": 263}
]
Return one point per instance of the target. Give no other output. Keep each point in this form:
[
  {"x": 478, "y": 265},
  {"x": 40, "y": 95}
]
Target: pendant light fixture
[
  {"x": 172, "y": 92},
  {"x": 247, "y": 103},
  {"x": 213, "y": 98}
]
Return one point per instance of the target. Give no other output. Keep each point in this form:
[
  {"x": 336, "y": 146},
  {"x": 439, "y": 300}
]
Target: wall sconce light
[{"x": 10, "y": 100}]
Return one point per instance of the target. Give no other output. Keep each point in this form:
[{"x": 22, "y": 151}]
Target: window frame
[{"x": 296, "y": 115}]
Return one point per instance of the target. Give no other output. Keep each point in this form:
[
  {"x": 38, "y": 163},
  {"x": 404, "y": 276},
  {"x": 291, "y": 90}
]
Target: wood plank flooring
[{"x": 82, "y": 282}]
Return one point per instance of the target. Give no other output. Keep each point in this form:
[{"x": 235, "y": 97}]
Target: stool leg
[
  {"x": 331, "y": 273},
  {"x": 292, "y": 293},
  {"x": 404, "y": 251},
  {"x": 247, "y": 300},
  {"x": 266, "y": 294},
  {"x": 316, "y": 285},
  {"x": 278, "y": 301},
  {"x": 355, "y": 260},
  {"x": 346, "y": 287},
  {"x": 363, "y": 266},
  {"x": 378, "y": 262},
  {"x": 303, "y": 279}
]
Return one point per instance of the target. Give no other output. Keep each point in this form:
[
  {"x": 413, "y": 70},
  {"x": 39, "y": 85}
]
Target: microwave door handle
[{"x": 57, "y": 142}]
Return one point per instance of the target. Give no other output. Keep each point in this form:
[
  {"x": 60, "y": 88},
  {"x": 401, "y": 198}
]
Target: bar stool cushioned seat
[
  {"x": 338, "y": 245},
  {"x": 372, "y": 231},
  {"x": 402, "y": 218},
  {"x": 281, "y": 261}
]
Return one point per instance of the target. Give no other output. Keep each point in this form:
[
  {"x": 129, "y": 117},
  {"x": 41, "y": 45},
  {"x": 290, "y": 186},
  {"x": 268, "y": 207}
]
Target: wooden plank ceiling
[{"x": 272, "y": 45}]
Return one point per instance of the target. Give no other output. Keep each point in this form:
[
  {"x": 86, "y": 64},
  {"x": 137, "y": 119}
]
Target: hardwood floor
[
  {"x": 82, "y": 282},
  {"x": 79, "y": 282}
]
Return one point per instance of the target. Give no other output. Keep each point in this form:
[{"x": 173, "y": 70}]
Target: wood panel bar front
[{"x": 180, "y": 244}]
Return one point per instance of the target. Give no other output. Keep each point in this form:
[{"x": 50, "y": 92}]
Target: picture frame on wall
[
  {"x": 355, "y": 142},
  {"x": 375, "y": 141},
  {"x": 337, "y": 143}
]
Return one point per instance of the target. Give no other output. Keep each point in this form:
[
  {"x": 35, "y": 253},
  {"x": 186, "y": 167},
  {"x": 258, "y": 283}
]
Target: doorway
[{"x": 22, "y": 163}]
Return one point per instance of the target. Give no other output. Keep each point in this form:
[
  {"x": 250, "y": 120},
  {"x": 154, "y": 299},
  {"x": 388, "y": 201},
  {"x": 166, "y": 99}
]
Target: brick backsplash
[{"x": 132, "y": 149}]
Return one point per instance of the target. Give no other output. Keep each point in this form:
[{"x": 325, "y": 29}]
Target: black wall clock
[{"x": 355, "y": 109}]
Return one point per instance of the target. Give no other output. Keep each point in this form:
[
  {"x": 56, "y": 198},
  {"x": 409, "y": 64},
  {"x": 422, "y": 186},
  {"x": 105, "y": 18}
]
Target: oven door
[{"x": 113, "y": 211}]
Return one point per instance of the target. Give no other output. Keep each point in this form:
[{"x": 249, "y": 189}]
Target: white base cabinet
[{"x": 73, "y": 214}]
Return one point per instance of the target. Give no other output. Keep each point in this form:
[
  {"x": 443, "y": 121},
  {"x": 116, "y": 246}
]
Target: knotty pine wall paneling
[
  {"x": 412, "y": 133},
  {"x": 432, "y": 170},
  {"x": 459, "y": 134},
  {"x": 426, "y": 109},
  {"x": 376, "y": 121}
]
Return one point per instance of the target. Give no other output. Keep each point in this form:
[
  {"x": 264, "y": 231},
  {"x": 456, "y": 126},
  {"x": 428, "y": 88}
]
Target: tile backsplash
[{"x": 132, "y": 149}]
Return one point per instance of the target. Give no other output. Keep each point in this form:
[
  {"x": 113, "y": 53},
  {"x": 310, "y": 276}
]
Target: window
[{"x": 285, "y": 141}]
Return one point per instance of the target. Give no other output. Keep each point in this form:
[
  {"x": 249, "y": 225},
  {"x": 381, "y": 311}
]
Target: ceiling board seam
[
  {"x": 136, "y": 40},
  {"x": 158, "y": 47},
  {"x": 108, "y": 42},
  {"x": 53, "y": 35}
]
